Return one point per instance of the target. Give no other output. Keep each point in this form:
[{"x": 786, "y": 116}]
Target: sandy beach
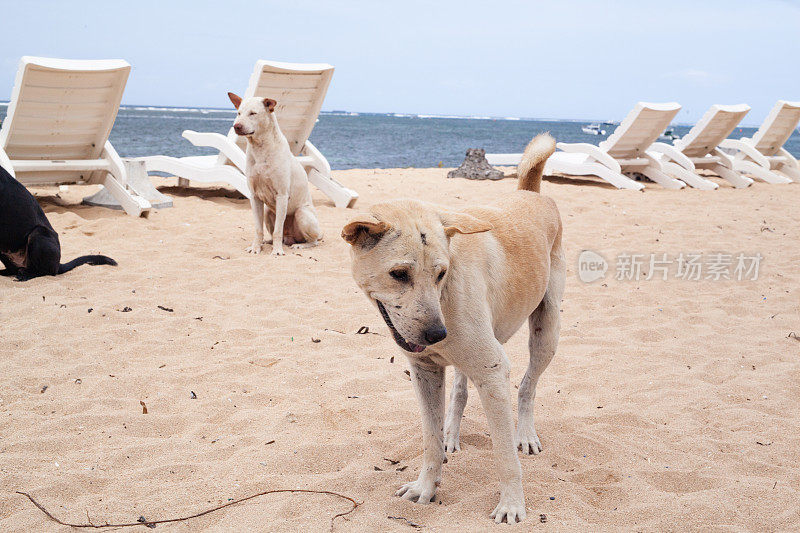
[{"x": 670, "y": 405}]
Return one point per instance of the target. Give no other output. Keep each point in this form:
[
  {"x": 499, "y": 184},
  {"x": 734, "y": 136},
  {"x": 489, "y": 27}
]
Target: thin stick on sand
[{"x": 196, "y": 515}]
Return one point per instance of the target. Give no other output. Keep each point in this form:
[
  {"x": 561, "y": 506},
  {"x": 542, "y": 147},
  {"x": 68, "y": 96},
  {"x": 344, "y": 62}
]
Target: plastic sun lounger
[
  {"x": 624, "y": 152},
  {"x": 299, "y": 89},
  {"x": 763, "y": 154},
  {"x": 698, "y": 149},
  {"x": 59, "y": 118}
]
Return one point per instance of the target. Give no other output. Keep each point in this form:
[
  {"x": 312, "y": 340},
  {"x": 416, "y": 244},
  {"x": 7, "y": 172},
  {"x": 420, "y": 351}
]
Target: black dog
[{"x": 29, "y": 245}]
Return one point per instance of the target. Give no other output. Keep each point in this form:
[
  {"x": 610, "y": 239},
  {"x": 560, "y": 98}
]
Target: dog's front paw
[
  {"x": 511, "y": 510},
  {"x": 278, "y": 250},
  {"x": 527, "y": 440},
  {"x": 254, "y": 248},
  {"x": 451, "y": 440},
  {"x": 417, "y": 491}
]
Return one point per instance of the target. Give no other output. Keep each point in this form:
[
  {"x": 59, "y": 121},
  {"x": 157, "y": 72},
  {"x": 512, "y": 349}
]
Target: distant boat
[
  {"x": 593, "y": 129},
  {"x": 669, "y": 135}
]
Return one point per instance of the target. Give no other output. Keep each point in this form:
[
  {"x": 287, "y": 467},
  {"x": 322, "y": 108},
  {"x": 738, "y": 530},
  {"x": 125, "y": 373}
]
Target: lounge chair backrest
[
  {"x": 777, "y": 127},
  {"x": 639, "y": 129},
  {"x": 63, "y": 109},
  {"x": 299, "y": 89},
  {"x": 713, "y": 128}
]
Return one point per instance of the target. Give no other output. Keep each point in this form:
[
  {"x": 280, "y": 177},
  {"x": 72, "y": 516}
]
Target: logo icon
[{"x": 591, "y": 266}]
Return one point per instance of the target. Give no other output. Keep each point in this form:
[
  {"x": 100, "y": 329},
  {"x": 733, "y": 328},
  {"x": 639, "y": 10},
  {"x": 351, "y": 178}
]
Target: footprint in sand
[{"x": 679, "y": 482}]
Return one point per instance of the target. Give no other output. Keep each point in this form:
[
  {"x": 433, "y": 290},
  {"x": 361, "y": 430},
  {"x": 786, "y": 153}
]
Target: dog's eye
[
  {"x": 252, "y": 113},
  {"x": 441, "y": 276},
  {"x": 400, "y": 275}
]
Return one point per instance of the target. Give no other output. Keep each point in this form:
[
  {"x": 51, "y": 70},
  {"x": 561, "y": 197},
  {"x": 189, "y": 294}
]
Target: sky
[{"x": 559, "y": 59}]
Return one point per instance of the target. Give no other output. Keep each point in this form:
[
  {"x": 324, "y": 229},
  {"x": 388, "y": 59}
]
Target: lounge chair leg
[
  {"x": 115, "y": 181},
  {"x": 735, "y": 179},
  {"x": 176, "y": 167},
  {"x": 792, "y": 172},
  {"x": 619, "y": 181},
  {"x": 139, "y": 182},
  {"x": 689, "y": 177},
  {"x": 341, "y": 195},
  {"x": 762, "y": 173},
  {"x": 661, "y": 178},
  {"x": 132, "y": 204}
]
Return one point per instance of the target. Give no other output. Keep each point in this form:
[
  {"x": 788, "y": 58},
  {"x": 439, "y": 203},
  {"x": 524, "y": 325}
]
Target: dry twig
[
  {"x": 406, "y": 520},
  {"x": 152, "y": 523}
]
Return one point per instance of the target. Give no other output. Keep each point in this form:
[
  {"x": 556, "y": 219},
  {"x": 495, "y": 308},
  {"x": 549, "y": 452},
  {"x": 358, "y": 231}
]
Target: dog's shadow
[
  {"x": 569, "y": 180},
  {"x": 204, "y": 193},
  {"x": 578, "y": 181}
]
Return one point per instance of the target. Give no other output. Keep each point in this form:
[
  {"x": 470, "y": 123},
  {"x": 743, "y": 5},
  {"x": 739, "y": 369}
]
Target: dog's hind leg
[
  {"x": 11, "y": 268},
  {"x": 544, "y": 324},
  {"x": 23, "y": 275},
  {"x": 455, "y": 411},
  {"x": 307, "y": 225}
]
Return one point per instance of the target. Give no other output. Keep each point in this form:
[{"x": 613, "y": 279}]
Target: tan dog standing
[
  {"x": 453, "y": 287},
  {"x": 277, "y": 180}
]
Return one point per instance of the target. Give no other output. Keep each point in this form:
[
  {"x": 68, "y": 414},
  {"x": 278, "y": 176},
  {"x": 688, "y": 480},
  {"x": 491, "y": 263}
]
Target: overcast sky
[{"x": 556, "y": 59}]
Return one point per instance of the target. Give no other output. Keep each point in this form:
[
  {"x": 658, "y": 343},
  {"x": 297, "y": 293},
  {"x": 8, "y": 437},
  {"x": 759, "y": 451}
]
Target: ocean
[{"x": 362, "y": 140}]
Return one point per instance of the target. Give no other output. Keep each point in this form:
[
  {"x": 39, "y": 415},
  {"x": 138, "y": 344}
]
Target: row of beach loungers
[
  {"x": 61, "y": 114},
  {"x": 632, "y": 149}
]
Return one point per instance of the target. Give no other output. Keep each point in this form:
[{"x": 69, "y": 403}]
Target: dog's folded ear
[
  {"x": 235, "y": 99},
  {"x": 454, "y": 222},
  {"x": 362, "y": 227},
  {"x": 270, "y": 104}
]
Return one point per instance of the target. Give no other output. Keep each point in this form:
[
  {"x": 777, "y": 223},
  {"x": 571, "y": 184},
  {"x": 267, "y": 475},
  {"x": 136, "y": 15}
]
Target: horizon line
[{"x": 397, "y": 114}]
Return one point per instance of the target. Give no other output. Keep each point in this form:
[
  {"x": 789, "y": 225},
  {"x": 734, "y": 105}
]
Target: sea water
[{"x": 362, "y": 140}]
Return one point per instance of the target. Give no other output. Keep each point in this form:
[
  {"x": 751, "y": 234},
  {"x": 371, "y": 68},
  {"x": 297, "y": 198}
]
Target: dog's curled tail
[
  {"x": 531, "y": 167},
  {"x": 86, "y": 259}
]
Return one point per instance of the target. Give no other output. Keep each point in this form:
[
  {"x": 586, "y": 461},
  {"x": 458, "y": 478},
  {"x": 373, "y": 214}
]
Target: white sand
[{"x": 670, "y": 405}]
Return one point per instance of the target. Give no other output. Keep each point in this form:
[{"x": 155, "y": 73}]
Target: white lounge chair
[
  {"x": 59, "y": 118},
  {"x": 763, "y": 154},
  {"x": 299, "y": 90},
  {"x": 698, "y": 149},
  {"x": 624, "y": 152}
]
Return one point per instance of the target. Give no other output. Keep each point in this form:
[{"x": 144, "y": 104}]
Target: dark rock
[{"x": 476, "y": 167}]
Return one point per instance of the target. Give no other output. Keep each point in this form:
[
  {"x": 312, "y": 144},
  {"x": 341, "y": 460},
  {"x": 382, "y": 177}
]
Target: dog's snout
[
  {"x": 238, "y": 128},
  {"x": 435, "y": 334}
]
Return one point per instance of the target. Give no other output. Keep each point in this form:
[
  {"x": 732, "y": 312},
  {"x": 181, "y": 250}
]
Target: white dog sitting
[{"x": 277, "y": 180}]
